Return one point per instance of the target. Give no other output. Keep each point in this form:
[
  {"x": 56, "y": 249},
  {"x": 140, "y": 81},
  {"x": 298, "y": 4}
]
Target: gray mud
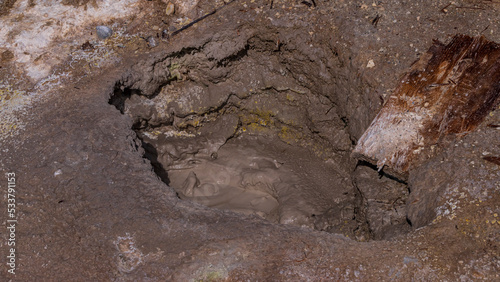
[{"x": 259, "y": 128}]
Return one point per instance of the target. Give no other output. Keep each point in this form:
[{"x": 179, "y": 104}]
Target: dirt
[
  {"x": 223, "y": 153},
  {"x": 5, "y": 6}
]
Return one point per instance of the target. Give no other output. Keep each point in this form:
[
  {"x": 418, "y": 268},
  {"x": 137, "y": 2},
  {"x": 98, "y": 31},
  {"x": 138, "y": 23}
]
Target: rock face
[{"x": 254, "y": 107}]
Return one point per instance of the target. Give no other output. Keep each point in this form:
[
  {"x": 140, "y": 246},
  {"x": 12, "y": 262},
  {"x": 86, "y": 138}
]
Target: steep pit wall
[{"x": 258, "y": 123}]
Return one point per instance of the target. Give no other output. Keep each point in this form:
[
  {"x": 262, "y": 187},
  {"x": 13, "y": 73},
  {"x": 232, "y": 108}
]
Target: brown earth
[{"x": 276, "y": 98}]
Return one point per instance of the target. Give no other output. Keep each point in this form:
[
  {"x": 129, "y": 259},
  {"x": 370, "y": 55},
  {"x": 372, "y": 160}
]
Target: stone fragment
[
  {"x": 151, "y": 41},
  {"x": 170, "y": 9},
  {"x": 103, "y": 31}
]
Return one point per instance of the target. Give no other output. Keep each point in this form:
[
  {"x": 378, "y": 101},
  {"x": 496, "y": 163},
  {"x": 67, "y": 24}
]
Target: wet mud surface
[
  {"x": 223, "y": 153},
  {"x": 259, "y": 142}
]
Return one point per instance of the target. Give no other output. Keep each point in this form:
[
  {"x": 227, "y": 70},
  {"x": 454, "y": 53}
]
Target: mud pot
[
  {"x": 216, "y": 140},
  {"x": 264, "y": 131}
]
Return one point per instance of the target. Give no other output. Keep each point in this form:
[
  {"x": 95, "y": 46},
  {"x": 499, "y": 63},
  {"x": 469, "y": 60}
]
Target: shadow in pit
[
  {"x": 152, "y": 155},
  {"x": 120, "y": 95}
]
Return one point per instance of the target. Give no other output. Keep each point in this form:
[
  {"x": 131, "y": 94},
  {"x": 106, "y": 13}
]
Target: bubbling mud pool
[
  {"x": 255, "y": 175},
  {"x": 262, "y": 133},
  {"x": 236, "y": 160},
  {"x": 237, "y": 179}
]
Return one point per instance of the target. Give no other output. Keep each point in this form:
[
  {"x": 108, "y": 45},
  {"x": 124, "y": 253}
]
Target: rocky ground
[{"x": 213, "y": 142}]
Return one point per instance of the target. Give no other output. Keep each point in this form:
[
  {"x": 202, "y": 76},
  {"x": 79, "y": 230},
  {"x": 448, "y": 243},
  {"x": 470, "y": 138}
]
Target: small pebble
[
  {"x": 170, "y": 9},
  {"x": 370, "y": 64},
  {"x": 103, "y": 32},
  {"x": 151, "y": 42}
]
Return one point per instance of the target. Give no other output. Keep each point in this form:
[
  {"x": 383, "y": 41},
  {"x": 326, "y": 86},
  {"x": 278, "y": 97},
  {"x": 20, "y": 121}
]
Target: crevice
[
  {"x": 184, "y": 52},
  {"x": 235, "y": 57},
  {"x": 119, "y": 96},
  {"x": 360, "y": 211},
  {"x": 409, "y": 221},
  {"x": 152, "y": 155},
  {"x": 381, "y": 172}
]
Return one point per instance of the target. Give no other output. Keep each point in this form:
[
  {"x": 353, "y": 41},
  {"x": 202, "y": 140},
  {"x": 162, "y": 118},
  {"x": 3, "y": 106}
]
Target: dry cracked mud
[{"x": 221, "y": 150}]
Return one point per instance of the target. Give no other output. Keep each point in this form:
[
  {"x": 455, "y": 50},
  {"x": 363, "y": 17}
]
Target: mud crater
[{"x": 263, "y": 129}]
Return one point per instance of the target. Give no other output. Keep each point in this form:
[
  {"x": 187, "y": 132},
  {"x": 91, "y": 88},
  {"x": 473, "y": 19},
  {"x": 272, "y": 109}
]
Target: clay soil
[{"x": 129, "y": 172}]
